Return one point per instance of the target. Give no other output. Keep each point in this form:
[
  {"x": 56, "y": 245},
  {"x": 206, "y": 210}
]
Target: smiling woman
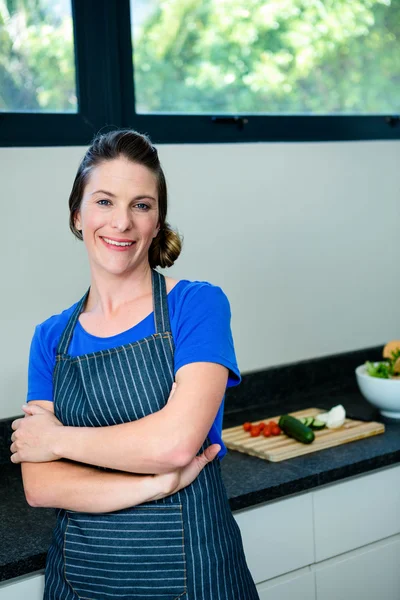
[
  {"x": 118, "y": 230},
  {"x": 136, "y": 373}
]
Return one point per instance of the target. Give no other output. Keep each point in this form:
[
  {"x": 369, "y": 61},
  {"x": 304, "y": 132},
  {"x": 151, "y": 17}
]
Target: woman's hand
[
  {"x": 170, "y": 483},
  {"x": 35, "y": 435}
]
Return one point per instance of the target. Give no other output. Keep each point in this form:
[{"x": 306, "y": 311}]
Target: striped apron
[{"x": 185, "y": 546}]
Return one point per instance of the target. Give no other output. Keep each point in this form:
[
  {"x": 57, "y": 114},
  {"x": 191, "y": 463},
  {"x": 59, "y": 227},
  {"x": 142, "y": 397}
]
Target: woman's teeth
[{"x": 114, "y": 243}]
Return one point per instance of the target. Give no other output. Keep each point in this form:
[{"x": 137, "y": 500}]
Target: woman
[{"x": 150, "y": 518}]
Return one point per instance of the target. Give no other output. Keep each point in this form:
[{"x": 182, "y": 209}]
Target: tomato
[
  {"x": 276, "y": 430},
  {"x": 261, "y": 425},
  {"x": 247, "y": 426},
  {"x": 255, "y": 431},
  {"x": 267, "y": 431}
]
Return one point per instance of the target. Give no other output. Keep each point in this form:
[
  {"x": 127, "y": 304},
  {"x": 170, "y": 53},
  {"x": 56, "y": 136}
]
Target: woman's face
[{"x": 118, "y": 215}]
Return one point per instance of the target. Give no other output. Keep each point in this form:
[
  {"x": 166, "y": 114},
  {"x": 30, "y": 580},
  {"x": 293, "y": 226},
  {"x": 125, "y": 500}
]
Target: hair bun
[{"x": 165, "y": 248}]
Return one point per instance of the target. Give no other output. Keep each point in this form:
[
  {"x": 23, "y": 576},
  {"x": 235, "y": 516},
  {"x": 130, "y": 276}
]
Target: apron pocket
[{"x": 135, "y": 553}]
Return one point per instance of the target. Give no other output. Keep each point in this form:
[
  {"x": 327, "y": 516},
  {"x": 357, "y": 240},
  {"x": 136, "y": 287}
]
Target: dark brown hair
[{"x": 136, "y": 147}]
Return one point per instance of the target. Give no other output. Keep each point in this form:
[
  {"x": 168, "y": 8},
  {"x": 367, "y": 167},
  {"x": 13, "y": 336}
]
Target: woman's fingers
[
  {"x": 176, "y": 480},
  {"x": 189, "y": 473},
  {"x": 209, "y": 454}
]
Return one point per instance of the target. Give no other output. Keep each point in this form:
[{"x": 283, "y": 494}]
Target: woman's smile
[{"x": 116, "y": 244}]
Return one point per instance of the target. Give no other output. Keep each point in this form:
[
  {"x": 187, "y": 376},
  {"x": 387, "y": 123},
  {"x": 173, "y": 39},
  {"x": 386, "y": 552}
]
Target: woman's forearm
[
  {"x": 81, "y": 488},
  {"x": 155, "y": 444},
  {"x": 151, "y": 445}
]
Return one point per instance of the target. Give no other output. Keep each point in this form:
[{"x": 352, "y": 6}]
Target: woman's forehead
[{"x": 119, "y": 174}]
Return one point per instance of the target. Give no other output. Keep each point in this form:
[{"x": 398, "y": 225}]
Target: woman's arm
[
  {"x": 159, "y": 443},
  {"x": 62, "y": 484}
]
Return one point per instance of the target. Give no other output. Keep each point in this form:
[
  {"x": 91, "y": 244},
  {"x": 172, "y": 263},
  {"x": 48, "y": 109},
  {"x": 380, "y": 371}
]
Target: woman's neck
[{"x": 108, "y": 295}]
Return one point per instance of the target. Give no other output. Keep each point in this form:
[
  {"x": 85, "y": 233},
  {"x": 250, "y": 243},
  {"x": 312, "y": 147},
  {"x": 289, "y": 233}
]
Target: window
[
  {"x": 37, "y": 65},
  {"x": 281, "y": 57},
  {"x": 199, "y": 70},
  {"x": 59, "y": 73}
]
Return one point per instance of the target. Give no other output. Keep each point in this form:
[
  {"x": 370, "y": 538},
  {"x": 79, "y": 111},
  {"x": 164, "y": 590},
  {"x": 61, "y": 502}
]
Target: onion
[{"x": 334, "y": 418}]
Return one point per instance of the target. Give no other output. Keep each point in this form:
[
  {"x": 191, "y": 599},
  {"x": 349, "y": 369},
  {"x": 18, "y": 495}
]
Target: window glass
[
  {"x": 37, "y": 67},
  {"x": 293, "y": 57}
]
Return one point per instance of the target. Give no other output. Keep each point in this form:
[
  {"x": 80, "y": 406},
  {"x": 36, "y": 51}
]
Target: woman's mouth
[{"x": 113, "y": 244}]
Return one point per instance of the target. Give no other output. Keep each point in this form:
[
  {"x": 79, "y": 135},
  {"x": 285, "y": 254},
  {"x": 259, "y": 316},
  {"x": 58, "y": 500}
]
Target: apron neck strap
[
  {"x": 160, "y": 307},
  {"x": 160, "y": 303}
]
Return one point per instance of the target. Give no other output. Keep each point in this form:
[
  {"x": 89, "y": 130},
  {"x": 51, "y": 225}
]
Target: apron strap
[
  {"x": 67, "y": 333},
  {"x": 160, "y": 303},
  {"x": 160, "y": 307}
]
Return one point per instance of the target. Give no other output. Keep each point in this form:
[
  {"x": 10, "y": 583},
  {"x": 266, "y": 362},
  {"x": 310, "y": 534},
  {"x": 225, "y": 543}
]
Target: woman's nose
[{"x": 122, "y": 220}]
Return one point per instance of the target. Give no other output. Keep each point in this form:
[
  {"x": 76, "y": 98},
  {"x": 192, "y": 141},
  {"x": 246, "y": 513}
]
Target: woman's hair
[{"x": 136, "y": 147}]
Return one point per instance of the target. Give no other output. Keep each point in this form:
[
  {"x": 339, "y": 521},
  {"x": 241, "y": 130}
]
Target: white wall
[{"x": 303, "y": 238}]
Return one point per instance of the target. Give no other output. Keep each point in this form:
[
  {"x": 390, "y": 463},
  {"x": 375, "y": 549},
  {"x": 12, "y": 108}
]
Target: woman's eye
[
  {"x": 101, "y": 202},
  {"x": 144, "y": 206}
]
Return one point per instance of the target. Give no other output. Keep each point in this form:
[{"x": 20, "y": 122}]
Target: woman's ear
[{"x": 77, "y": 221}]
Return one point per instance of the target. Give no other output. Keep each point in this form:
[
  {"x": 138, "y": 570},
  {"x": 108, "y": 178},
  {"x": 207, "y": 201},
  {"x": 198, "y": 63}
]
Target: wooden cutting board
[{"x": 282, "y": 447}]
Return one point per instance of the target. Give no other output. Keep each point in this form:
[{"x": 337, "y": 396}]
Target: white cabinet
[
  {"x": 356, "y": 512},
  {"x": 278, "y": 536},
  {"x": 368, "y": 573},
  {"x": 29, "y": 587},
  {"x": 339, "y": 542},
  {"x": 299, "y": 585}
]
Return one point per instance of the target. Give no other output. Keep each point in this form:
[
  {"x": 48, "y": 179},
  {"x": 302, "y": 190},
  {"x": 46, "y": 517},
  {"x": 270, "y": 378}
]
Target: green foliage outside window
[
  {"x": 218, "y": 56},
  {"x": 263, "y": 57},
  {"x": 37, "y": 68}
]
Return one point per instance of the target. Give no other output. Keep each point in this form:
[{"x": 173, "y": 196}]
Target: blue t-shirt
[{"x": 200, "y": 323}]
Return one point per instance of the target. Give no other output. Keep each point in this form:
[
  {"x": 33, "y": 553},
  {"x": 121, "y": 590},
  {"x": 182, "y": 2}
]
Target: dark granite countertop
[{"x": 25, "y": 532}]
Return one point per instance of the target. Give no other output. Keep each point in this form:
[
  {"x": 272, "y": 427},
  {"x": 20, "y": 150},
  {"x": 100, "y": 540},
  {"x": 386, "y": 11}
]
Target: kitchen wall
[{"x": 303, "y": 239}]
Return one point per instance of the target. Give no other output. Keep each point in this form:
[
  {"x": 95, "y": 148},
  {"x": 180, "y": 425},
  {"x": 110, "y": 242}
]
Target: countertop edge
[
  {"x": 310, "y": 482},
  {"x": 36, "y": 563}
]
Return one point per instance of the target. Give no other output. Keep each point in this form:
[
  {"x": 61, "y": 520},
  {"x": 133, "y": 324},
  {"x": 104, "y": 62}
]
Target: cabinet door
[
  {"x": 367, "y": 574},
  {"x": 278, "y": 536},
  {"x": 23, "y": 588},
  {"x": 300, "y": 584},
  {"x": 356, "y": 512}
]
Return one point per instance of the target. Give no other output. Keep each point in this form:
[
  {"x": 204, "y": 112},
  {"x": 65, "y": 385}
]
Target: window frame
[
  {"x": 97, "y": 78},
  {"x": 105, "y": 91}
]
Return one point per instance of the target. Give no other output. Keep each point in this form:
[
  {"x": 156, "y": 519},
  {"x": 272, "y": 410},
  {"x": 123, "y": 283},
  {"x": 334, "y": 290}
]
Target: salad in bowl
[{"x": 379, "y": 382}]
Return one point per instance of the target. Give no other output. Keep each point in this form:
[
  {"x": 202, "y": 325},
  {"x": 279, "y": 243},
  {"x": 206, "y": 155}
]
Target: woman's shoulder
[
  {"x": 196, "y": 294},
  {"x": 190, "y": 286}
]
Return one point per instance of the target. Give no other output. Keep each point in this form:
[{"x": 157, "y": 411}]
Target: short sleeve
[
  {"x": 40, "y": 369},
  {"x": 203, "y": 329}
]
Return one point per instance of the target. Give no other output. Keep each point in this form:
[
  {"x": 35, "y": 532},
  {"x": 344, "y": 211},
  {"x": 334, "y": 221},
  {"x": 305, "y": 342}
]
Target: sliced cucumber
[
  {"x": 316, "y": 424},
  {"x": 309, "y": 421}
]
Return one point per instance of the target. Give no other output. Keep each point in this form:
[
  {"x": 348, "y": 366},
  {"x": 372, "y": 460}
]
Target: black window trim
[{"x": 104, "y": 70}]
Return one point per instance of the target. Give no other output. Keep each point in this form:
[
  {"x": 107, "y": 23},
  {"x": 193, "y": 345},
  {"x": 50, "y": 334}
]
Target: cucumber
[
  {"x": 296, "y": 429},
  {"x": 312, "y": 422}
]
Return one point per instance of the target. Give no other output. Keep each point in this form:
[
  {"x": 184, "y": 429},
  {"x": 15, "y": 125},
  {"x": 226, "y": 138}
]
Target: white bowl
[{"x": 382, "y": 393}]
